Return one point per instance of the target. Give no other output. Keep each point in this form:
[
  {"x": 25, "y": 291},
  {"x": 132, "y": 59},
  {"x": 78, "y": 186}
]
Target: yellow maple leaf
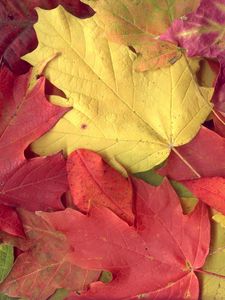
[
  {"x": 139, "y": 23},
  {"x": 128, "y": 117}
]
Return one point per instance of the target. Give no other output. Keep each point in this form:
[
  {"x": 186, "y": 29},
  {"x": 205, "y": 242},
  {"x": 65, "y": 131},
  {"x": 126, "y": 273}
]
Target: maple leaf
[
  {"x": 156, "y": 245},
  {"x": 125, "y": 22},
  {"x": 163, "y": 108},
  {"x": 17, "y": 36},
  {"x": 25, "y": 116},
  {"x": 16, "y": 102},
  {"x": 10, "y": 222},
  {"x": 94, "y": 183},
  {"x": 202, "y": 157},
  {"x": 46, "y": 266},
  {"x": 202, "y": 34}
]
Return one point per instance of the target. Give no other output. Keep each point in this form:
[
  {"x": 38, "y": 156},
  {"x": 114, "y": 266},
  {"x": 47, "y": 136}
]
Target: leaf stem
[
  {"x": 209, "y": 273},
  {"x": 218, "y": 117},
  {"x": 186, "y": 162}
]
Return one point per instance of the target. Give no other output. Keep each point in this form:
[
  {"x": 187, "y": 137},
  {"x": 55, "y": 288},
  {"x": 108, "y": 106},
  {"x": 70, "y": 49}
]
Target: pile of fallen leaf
[{"x": 112, "y": 149}]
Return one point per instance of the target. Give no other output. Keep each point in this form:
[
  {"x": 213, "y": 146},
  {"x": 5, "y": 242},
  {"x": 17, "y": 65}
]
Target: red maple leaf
[
  {"x": 46, "y": 265},
  {"x": 157, "y": 257},
  {"x": 17, "y": 36},
  {"x": 93, "y": 183},
  {"x": 25, "y": 116}
]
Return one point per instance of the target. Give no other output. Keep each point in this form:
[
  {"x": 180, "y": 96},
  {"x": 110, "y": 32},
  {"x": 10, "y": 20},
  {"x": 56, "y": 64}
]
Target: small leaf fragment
[
  {"x": 60, "y": 294},
  {"x": 6, "y": 260}
]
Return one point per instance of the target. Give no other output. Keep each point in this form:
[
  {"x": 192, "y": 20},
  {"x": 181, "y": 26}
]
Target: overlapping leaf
[
  {"x": 125, "y": 22},
  {"x": 164, "y": 108},
  {"x": 46, "y": 266}
]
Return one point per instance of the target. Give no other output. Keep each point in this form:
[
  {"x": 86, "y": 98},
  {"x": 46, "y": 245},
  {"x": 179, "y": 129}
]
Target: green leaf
[
  {"x": 151, "y": 176},
  {"x": 60, "y": 294},
  {"x": 106, "y": 277},
  {"x": 187, "y": 199},
  {"x": 5, "y": 297},
  {"x": 6, "y": 260}
]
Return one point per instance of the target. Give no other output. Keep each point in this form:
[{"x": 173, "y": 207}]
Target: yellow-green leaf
[
  {"x": 212, "y": 279},
  {"x": 130, "y": 118},
  {"x": 5, "y": 297},
  {"x": 6, "y": 260},
  {"x": 219, "y": 218},
  {"x": 124, "y": 22},
  {"x": 60, "y": 294},
  {"x": 106, "y": 277}
]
